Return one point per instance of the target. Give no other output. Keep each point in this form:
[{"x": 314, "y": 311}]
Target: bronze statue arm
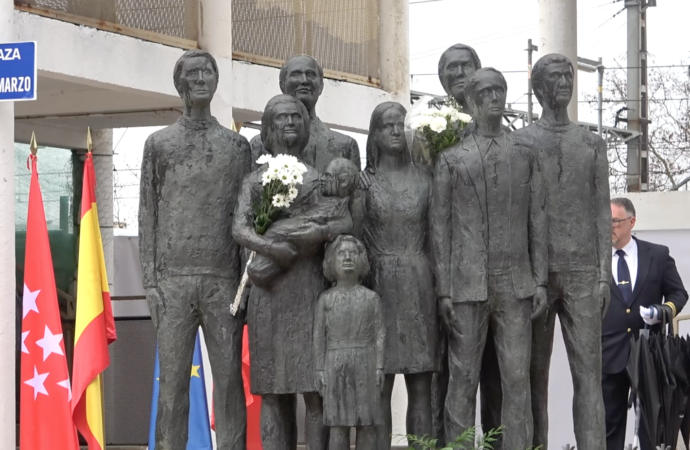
[
  {"x": 148, "y": 216},
  {"x": 357, "y": 212},
  {"x": 320, "y": 334},
  {"x": 538, "y": 225},
  {"x": 380, "y": 327},
  {"x": 440, "y": 225},
  {"x": 602, "y": 208}
]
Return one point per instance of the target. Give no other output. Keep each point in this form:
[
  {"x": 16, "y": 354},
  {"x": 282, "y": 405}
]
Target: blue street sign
[{"x": 18, "y": 71}]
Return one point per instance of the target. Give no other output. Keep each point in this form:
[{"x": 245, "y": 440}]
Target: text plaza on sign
[{"x": 9, "y": 54}]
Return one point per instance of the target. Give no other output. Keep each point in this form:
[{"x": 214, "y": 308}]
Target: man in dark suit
[
  {"x": 644, "y": 275},
  {"x": 487, "y": 223}
]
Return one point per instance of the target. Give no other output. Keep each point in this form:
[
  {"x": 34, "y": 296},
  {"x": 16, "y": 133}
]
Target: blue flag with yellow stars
[{"x": 199, "y": 425}]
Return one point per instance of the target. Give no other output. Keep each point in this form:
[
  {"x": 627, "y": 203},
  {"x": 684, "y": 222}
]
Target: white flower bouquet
[
  {"x": 440, "y": 127},
  {"x": 280, "y": 181}
]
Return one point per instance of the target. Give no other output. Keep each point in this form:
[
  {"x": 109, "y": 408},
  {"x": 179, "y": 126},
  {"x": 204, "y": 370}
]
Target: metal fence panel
[
  {"x": 341, "y": 34},
  {"x": 176, "y": 18}
]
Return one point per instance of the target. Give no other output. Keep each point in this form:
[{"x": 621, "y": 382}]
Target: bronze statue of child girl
[{"x": 348, "y": 347}]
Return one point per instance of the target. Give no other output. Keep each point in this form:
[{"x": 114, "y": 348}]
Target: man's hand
[
  {"x": 539, "y": 302},
  {"x": 652, "y": 315},
  {"x": 447, "y": 314},
  {"x": 283, "y": 253},
  {"x": 320, "y": 381},
  {"x": 604, "y": 294},
  {"x": 380, "y": 379}
]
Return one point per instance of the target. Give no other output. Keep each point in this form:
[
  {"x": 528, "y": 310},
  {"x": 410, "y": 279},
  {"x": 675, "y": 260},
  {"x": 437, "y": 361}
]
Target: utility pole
[
  {"x": 600, "y": 96},
  {"x": 530, "y": 49},
  {"x": 644, "y": 98},
  {"x": 633, "y": 119},
  {"x": 638, "y": 96}
]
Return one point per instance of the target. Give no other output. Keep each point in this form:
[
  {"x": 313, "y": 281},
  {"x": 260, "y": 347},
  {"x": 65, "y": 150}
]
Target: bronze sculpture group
[{"x": 449, "y": 274}]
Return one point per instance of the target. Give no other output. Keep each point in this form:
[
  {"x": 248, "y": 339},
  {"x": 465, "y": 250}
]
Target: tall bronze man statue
[
  {"x": 455, "y": 67},
  {"x": 190, "y": 178},
  {"x": 488, "y": 228},
  {"x": 576, "y": 171},
  {"x": 302, "y": 78}
]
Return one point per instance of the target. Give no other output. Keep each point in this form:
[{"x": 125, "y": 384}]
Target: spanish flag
[{"x": 95, "y": 326}]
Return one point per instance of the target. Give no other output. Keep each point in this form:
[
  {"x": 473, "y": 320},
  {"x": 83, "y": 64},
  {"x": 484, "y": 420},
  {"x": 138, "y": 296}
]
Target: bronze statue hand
[
  {"x": 604, "y": 293},
  {"x": 364, "y": 180},
  {"x": 154, "y": 297},
  {"x": 320, "y": 382},
  {"x": 447, "y": 314},
  {"x": 380, "y": 379},
  {"x": 283, "y": 253},
  {"x": 539, "y": 302}
]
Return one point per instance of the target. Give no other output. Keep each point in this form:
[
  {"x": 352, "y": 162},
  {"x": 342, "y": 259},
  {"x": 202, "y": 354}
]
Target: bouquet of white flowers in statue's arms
[
  {"x": 280, "y": 181},
  {"x": 441, "y": 127},
  {"x": 283, "y": 175}
]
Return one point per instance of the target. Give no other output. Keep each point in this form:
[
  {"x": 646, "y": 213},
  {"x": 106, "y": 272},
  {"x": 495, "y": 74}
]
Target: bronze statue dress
[
  {"x": 349, "y": 324},
  {"x": 280, "y": 318},
  {"x": 395, "y": 232}
]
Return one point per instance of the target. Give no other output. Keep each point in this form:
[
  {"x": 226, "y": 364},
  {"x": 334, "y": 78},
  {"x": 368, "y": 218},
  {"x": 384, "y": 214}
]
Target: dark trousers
[
  {"x": 510, "y": 320},
  {"x": 572, "y": 298},
  {"x": 188, "y": 302},
  {"x": 616, "y": 390}
]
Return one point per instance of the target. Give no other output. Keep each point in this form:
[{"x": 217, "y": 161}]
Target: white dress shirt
[{"x": 630, "y": 258}]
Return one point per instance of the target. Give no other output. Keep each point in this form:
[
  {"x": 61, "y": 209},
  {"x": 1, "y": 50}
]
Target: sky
[{"x": 498, "y": 30}]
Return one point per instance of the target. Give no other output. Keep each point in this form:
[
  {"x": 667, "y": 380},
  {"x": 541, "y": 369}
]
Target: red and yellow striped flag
[{"x": 95, "y": 326}]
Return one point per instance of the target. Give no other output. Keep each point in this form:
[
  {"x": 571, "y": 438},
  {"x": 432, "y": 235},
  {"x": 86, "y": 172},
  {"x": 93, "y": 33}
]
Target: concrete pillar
[
  {"x": 7, "y": 262},
  {"x": 103, "y": 166},
  {"x": 394, "y": 49},
  {"x": 215, "y": 36},
  {"x": 558, "y": 34}
]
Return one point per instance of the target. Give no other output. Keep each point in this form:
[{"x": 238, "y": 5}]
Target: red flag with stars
[{"x": 46, "y": 417}]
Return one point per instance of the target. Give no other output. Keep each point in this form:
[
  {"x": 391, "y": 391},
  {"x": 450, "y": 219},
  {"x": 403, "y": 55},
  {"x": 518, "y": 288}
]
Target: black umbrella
[
  {"x": 662, "y": 383},
  {"x": 685, "y": 358},
  {"x": 645, "y": 388},
  {"x": 680, "y": 399}
]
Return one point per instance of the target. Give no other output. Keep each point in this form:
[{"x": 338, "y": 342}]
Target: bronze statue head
[
  {"x": 345, "y": 259},
  {"x": 486, "y": 95},
  {"x": 387, "y": 133},
  {"x": 196, "y": 78},
  {"x": 457, "y": 64},
  {"x": 302, "y": 77},
  {"x": 553, "y": 80},
  {"x": 285, "y": 124},
  {"x": 339, "y": 178}
]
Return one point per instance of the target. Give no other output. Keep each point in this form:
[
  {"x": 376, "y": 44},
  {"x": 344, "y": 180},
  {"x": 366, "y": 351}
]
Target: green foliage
[
  {"x": 264, "y": 211},
  {"x": 439, "y": 142},
  {"x": 469, "y": 440}
]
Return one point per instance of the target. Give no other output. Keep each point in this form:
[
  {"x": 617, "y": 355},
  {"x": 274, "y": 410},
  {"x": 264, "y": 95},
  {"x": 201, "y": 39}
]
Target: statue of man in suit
[
  {"x": 576, "y": 173},
  {"x": 488, "y": 236},
  {"x": 302, "y": 78}
]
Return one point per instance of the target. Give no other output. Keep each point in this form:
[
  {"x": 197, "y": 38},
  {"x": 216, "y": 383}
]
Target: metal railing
[{"x": 170, "y": 22}]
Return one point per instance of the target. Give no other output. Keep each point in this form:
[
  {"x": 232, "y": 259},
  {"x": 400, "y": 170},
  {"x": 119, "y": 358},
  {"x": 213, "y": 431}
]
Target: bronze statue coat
[{"x": 459, "y": 227}]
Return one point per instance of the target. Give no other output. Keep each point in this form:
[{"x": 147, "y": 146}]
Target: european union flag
[{"x": 199, "y": 426}]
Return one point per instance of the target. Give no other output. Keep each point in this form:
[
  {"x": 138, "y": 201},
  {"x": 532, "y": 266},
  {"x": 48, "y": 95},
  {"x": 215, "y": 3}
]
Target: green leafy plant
[{"x": 471, "y": 439}]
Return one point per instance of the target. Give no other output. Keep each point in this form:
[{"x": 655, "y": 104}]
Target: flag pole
[
  {"x": 33, "y": 146},
  {"x": 89, "y": 149},
  {"x": 89, "y": 141}
]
